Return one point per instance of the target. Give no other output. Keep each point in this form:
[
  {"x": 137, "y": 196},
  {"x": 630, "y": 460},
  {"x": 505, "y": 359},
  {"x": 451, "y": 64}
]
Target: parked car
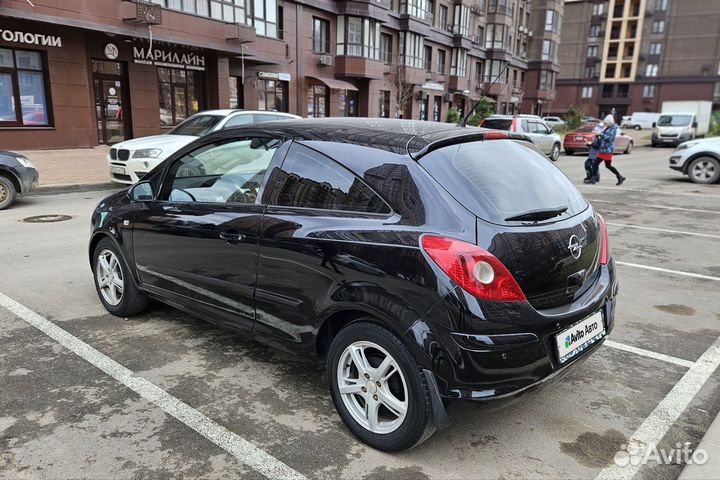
[
  {"x": 681, "y": 122},
  {"x": 533, "y": 126},
  {"x": 698, "y": 159},
  {"x": 580, "y": 139},
  {"x": 640, "y": 120},
  {"x": 18, "y": 176},
  {"x": 130, "y": 160},
  {"x": 554, "y": 122},
  {"x": 420, "y": 262}
]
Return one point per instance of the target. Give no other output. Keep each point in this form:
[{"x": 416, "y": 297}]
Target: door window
[
  {"x": 230, "y": 172},
  {"x": 541, "y": 128},
  {"x": 308, "y": 179}
]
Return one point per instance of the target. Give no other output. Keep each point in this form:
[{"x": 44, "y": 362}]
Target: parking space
[{"x": 196, "y": 400}]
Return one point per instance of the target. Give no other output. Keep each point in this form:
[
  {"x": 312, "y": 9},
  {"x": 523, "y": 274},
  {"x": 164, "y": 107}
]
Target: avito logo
[{"x": 580, "y": 334}]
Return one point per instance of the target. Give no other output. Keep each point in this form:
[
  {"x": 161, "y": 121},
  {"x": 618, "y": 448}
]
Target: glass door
[{"x": 110, "y": 102}]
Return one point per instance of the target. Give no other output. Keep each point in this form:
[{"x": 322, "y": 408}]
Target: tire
[
  {"x": 704, "y": 170},
  {"x": 569, "y": 151},
  {"x": 555, "y": 152},
  {"x": 406, "y": 388},
  {"x": 637, "y": 127},
  {"x": 629, "y": 148},
  {"x": 121, "y": 302},
  {"x": 7, "y": 193}
]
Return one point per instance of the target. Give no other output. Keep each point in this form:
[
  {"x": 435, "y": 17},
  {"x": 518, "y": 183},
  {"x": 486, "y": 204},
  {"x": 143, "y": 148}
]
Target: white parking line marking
[
  {"x": 652, "y": 190},
  {"x": 648, "y": 353},
  {"x": 661, "y": 207},
  {"x": 663, "y": 230},
  {"x": 238, "y": 447},
  {"x": 673, "y": 272},
  {"x": 655, "y": 426}
]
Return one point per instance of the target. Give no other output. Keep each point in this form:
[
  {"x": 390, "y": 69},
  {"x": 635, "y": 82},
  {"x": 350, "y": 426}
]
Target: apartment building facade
[
  {"x": 77, "y": 74},
  {"x": 631, "y": 55}
]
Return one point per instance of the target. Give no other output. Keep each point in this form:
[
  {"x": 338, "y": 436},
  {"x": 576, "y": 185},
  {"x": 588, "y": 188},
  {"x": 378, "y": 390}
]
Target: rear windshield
[
  {"x": 497, "y": 123},
  {"x": 500, "y": 179}
]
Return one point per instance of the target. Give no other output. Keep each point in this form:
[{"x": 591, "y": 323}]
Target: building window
[
  {"x": 458, "y": 65},
  {"x": 384, "y": 103},
  {"x": 648, "y": 91},
  {"x": 590, "y": 72},
  {"x": 441, "y": 62},
  {"x": 415, "y": 8},
  {"x": 501, "y": 7},
  {"x": 598, "y": 8},
  {"x": 358, "y": 37},
  {"x": 587, "y": 92},
  {"x": 321, "y": 35},
  {"x": 661, "y": 4},
  {"x": 548, "y": 51},
  {"x": 265, "y": 14},
  {"x": 443, "y": 20},
  {"x": 461, "y": 23},
  {"x": 547, "y": 80},
  {"x": 180, "y": 94},
  {"x": 231, "y": 11},
  {"x": 317, "y": 101},
  {"x": 272, "y": 95},
  {"x": 655, "y": 48},
  {"x": 595, "y": 30},
  {"x": 478, "y": 73},
  {"x": 651, "y": 70},
  {"x": 386, "y": 48},
  {"x": 24, "y": 82},
  {"x": 411, "y": 50},
  {"x": 492, "y": 73},
  {"x": 551, "y": 22},
  {"x": 658, "y": 26},
  {"x": 592, "y": 51},
  {"x": 496, "y": 36},
  {"x": 428, "y": 58}
]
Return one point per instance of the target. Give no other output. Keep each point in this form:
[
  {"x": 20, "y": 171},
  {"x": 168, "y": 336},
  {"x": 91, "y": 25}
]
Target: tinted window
[
  {"x": 197, "y": 125},
  {"x": 229, "y": 172},
  {"x": 497, "y": 123},
  {"x": 309, "y": 179},
  {"x": 499, "y": 179},
  {"x": 242, "y": 119},
  {"x": 265, "y": 117}
]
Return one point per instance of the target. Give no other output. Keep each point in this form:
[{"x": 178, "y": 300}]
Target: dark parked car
[
  {"x": 420, "y": 262},
  {"x": 17, "y": 176}
]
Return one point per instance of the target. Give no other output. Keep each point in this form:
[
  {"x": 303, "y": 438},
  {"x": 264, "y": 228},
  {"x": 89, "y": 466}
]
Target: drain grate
[{"x": 46, "y": 218}]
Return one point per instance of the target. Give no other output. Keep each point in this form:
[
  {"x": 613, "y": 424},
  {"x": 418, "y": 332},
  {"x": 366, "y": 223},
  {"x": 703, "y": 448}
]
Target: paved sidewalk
[
  {"x": 711, "y": 444},
  {"x": 70, "y": 167}
]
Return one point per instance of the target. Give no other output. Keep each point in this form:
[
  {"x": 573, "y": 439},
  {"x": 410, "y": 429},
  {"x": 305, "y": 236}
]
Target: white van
[{"x": 640, "y": 120}]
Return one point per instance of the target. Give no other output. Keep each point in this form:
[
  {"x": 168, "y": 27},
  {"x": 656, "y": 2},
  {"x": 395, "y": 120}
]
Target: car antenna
[{"x": 463, "y": 122}]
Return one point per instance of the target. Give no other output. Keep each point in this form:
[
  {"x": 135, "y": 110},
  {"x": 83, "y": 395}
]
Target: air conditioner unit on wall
[{"x": 326, "y": 60}]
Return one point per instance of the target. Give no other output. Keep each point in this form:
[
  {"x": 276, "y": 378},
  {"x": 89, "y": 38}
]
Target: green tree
[
  {"x": 574, "y": 117},
  {"x": 452, "y": 116}
]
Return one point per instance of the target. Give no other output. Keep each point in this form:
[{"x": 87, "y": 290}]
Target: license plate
[
  {"x": 580, "y": 336},
  {"x": 117, "y": 169},
  {"x": 579, "y": 138}
]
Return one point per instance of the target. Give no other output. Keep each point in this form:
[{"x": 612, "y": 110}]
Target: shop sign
[
  {"x": 111, "y": 51},
  {"x": 166, "y": 58},
  {"x": 31, "y": 38},
  {"x": 283, "y": 77},
  {"x": 433, "y": 86}
]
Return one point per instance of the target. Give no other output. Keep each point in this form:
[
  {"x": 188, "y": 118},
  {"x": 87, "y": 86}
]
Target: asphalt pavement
[{"x": 166, "y": 395}]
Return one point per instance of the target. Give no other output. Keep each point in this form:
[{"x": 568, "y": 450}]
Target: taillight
[
  {"x": 605, "y": 246},
  {"x": 514, "y": 125},
  {"x": 495, "y": 136},
  {"x": 476, "y": 270}
]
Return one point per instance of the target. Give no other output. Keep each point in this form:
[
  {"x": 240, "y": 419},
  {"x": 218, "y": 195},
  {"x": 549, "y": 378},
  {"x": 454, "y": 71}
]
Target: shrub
[
  {"x": 452, "y": 116},
  {"x": 574, "y": 117}
]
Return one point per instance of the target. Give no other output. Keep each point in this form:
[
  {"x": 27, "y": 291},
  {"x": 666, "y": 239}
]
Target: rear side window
[
  {"x": 497, "y": 123},
  {"x": 499, "y": 179},
  {"x": 308, "y": 179}
]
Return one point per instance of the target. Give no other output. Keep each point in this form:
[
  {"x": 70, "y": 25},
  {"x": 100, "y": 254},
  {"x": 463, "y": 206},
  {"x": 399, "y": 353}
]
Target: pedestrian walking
[{"x": 607, "y": 148}]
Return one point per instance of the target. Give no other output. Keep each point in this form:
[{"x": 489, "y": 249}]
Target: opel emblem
[{"x": 575, "y": 247}]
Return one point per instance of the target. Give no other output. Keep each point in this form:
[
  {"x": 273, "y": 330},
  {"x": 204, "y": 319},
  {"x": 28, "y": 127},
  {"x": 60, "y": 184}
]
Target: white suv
[
  {"x": 130, "y": 160},
  {"x": 538, "y": 131}
]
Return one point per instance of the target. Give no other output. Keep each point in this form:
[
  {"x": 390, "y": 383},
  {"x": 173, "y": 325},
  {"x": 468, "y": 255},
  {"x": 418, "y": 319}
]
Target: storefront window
[
  {"x": 317, "y": 100},
  {"x": 180, "y": 94},
  {"x": 385, "y": 103},
  {"x": 272, "y": 95},
  {"x": 23, "y": 82}
]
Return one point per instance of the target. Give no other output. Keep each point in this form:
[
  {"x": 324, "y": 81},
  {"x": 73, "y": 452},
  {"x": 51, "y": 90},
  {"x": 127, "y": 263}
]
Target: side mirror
[
  {"x": 694, "y": 125},
  {"x": 654, "y": 124},
  {"x": 142, "y": 192}
]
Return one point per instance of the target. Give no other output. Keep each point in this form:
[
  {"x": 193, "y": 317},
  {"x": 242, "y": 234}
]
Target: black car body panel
[
  {"x": 25, "y": 179},
  {"x": 300, "y": 273}
]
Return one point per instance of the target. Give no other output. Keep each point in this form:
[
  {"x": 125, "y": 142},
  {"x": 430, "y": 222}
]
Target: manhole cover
[{"x": 46, "y": 218}]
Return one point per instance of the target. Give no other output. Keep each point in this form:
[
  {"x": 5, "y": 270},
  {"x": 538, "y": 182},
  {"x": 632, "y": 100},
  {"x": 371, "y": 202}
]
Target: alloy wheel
[
  {"x": 555, "y": 153},
  {"x": 3, "y": 194},
  {"x": 703, "y": 170},
  {"x": 372, "y": 387},
  {"x": 109, "y": 277}
]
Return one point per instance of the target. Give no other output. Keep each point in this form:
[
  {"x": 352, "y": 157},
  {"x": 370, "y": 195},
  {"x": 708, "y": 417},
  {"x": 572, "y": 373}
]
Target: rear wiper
[{"x": 540, "y": 214}]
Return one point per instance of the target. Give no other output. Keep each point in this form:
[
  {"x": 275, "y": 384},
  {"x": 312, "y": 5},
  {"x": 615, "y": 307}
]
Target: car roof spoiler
[{"x": 480, "y": 136}]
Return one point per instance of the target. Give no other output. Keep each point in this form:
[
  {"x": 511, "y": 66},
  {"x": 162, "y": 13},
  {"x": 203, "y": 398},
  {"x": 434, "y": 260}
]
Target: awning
[{"x": 337, "y": 84}]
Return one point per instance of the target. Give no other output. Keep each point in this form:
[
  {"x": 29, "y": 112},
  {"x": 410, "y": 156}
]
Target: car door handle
[{"x": 232, "y": 237}]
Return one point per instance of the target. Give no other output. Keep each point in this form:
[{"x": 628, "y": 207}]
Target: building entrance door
[{"x": 111, "y": 106}]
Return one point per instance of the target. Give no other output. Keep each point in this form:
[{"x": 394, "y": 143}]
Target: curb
[
  {"x": 80, "y": 187},
  {"x": 711, "y": 444}
]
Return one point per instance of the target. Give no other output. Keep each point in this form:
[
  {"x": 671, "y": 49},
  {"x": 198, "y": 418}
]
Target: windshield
[
  {"x": 497, "y": 123},
  {"x": 501, "y": 179},
  {"x": 197, "y": 125},
  {"x": 674, "y": 120}
]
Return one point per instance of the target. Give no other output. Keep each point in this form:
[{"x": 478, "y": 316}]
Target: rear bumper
[{"x": 495, "y": 371}]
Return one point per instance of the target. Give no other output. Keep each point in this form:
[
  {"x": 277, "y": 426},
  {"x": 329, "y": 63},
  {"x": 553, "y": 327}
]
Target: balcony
[
  {"x": 500, "y": 10},
  {"x": 458, "y": 83},
  {"x": 412, "y": 10}
]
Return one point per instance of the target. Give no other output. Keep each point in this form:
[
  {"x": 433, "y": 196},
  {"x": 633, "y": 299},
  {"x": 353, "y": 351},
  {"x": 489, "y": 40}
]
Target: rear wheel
[
  {"x": 7, "y": 193},
  {"x": 378, "y": 389},
  {"x": 704, "y": 170},
  {"x": 555, "y": 152},
  {"x": 569, "y": 151},
  {"x": 637, "y": 127},
  {"x": 114, "y": 282},
  {"x": 629, "y": 148}
]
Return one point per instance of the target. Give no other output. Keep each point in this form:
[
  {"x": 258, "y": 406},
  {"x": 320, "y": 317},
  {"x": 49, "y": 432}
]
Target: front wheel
[
  {"x": 114, "y": 282},
  {"x": 629, "y": 148},
  {"x": 555, "y": 152},
  {"x": 637, "y": 127},
  {"x": 7, "y": 193},
  {"x": 378, "y": 389},
  {"x": 704, "y": 170}
]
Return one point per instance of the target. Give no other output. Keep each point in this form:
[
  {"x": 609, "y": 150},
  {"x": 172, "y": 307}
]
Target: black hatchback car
[
  {"x": 18, "y": 176},
  {"x": 420, "y": 262}
]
